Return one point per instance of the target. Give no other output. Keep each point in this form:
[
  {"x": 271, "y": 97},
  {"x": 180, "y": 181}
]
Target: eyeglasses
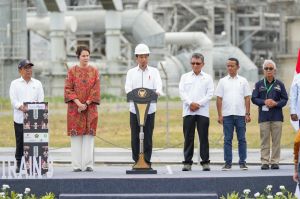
[
  {"x": 196, "y": 63},
  {"x": 269, "y": 68}
]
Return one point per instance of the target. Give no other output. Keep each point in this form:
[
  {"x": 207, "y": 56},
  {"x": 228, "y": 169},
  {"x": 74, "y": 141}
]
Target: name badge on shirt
[{"x": 265, "y": 108}]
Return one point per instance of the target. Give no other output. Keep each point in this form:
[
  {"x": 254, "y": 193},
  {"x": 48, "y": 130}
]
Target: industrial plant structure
[{"x": 48, "y": 31}]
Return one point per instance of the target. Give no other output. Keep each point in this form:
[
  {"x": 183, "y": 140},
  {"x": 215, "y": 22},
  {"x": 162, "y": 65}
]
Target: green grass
[{"x": 113, "y": 127}]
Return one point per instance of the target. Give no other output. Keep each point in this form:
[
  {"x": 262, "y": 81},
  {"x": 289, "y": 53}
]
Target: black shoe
[
  {"x": 274, "y": 166},
  {"x": 226, "y": 167},
  {"x": 18, "y": 166},
  {"x": 265, "y": 167},
  {"x": 205, "y": 167},
  {"x": 243, "y": 166},
  {"x": 17, "y": 169},
  {"x": 89, "y": 169},
  {"x": 187, "y": 167},
  {"x": 76, "y": 170}
]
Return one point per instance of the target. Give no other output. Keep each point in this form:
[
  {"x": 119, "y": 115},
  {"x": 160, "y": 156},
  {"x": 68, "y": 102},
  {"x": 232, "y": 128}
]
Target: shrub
[
  {"x": 266, "y": 194},
  {"x": 8, "y": 194}
]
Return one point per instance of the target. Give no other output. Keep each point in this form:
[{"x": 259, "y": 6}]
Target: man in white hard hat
[{"x": 147, "y": 77}]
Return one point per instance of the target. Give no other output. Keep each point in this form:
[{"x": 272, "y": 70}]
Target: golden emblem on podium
[{"x": 142, "y": 93}]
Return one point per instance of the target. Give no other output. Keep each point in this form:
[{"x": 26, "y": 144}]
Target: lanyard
[{"x": 269, "y": 89}]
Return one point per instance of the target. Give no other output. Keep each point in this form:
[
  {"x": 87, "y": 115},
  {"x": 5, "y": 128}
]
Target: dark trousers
[
  {"x": 189, "y": 124},
  {"x": 135, "y": 141},
  {"x": 19, "y": 142}
]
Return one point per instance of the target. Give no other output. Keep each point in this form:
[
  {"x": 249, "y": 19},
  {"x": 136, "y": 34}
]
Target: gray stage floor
[
  {"x": 170, "y": 171},
  {"x": 113, "y": 163},
  {"x": 165, "y": 156},
  {"x": 167, "y": 171}
]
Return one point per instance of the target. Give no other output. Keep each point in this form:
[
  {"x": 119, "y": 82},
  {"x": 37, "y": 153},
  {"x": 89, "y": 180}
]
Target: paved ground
[
  {"x": 167, "y": 160},
  {"x": 169, "y": 156},
  {"x": 168, "y": 171}
]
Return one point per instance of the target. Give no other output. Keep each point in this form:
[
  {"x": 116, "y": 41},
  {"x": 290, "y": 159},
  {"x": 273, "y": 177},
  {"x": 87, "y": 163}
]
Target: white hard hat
[{"x": 141, "y": 49}]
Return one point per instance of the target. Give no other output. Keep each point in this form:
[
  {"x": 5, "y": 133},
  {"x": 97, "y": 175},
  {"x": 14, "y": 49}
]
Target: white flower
[
  {"x": 282, "y": 187},
  {"x": 5, "y": 186},
  {"x": 279, "y": 194},
  {"x": 20, "y": 196},
  {"x": 2, "y": 194},
  {"x": 269, "y": 197},
  {"x": 256, "y": 194},
  {"x": 27, "y": 190},
  {"x": 269, "y": 187},
  {"x": 247, "y": 191}
]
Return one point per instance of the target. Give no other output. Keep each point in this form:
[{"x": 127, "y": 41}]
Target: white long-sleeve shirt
[
  {"x": 233, "y": 91},
  {"x": 295, "y": 96},
  {"x": 149, "y": 78},
  {"x": 196, "y": 88},
  {"x": 20, "y": 91}
]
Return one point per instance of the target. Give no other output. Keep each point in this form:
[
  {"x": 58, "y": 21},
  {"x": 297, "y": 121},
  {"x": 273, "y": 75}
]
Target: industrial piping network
[{"x": 144, "y": 29}]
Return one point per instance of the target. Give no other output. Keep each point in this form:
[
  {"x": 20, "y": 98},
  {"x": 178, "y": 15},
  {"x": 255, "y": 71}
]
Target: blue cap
[{"x": 24, "y": 62}]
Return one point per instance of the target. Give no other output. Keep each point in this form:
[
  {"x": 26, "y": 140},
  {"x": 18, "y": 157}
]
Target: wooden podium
[{"x": 141, "y": 97}]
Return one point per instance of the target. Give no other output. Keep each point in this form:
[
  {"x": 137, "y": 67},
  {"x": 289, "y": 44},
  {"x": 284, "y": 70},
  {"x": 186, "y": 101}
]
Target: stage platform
[
  {"x": 162, "y": 156},
  {"x": 111, "y": 181}
]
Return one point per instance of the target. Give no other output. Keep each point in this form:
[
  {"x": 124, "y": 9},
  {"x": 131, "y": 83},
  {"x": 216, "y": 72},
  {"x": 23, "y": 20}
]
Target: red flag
[{"x": 298, "y": 63}]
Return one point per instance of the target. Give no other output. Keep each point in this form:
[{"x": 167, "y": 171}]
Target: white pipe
[
  {"x": 199, "y": 39},
  {"x": 113, "y": 35},
  {"x": 43, "y": 24},
  {"x": 92, "y": 20},
  {"x": 142, "y": 4},
  {"x": 143, "y": 27},
  {"x": 188, "y": 38},
  {"x": 136, "y": 22}
]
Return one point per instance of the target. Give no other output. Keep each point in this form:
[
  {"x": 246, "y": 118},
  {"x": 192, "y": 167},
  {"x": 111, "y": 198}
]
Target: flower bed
[
  {"x": 9, "y": 194},
  {"x": 266, "y": 194}
]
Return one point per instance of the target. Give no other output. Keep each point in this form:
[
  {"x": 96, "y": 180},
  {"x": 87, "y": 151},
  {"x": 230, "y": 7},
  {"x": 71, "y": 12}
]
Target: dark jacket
[{"x": 277, "y": 93}]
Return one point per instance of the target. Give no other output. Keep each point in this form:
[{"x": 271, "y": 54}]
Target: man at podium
[
  {"x": 23, "y": 89},
  {"x": 142, "y": 76}
]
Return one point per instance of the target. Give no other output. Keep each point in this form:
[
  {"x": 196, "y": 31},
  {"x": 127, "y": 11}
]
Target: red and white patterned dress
[{"x": 82, "y": 83}]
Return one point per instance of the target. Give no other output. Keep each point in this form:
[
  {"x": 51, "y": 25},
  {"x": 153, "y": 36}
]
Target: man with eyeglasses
[
  {"x": 270, "y": 96},
  {"x": 233, "y": 105},
  {"x": 23, "y": 89},
  {"x": 196, "y": 88}
]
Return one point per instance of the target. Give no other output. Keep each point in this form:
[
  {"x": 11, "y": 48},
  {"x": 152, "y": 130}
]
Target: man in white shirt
[
  {"x": 23, "y": 89},
  {"x": 147, "y": 77},
  {"x": 196, "y": 88},
  {"x": 233, "y": 105},
  {"x": 295, "y": 99}
]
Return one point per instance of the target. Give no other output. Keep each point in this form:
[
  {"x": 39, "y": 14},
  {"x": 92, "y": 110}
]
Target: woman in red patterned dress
[{"x": 82, "y": 93}]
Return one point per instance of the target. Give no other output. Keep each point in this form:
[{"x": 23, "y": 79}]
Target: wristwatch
[{"x": 248, "y": 114}]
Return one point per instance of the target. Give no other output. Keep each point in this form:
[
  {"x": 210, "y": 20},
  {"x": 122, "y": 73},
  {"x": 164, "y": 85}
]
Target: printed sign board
[{"x": 36, "y": 135}]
